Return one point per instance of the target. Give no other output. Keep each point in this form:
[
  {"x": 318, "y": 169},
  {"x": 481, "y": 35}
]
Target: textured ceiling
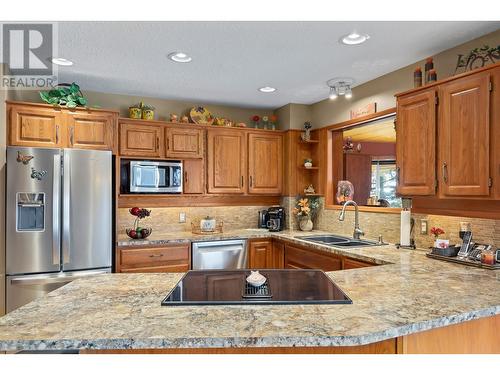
[{"x": 232, "y": 59}]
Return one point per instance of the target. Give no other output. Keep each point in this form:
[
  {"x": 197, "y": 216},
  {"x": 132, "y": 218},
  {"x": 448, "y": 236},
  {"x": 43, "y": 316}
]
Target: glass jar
[{"x": 488, "y": 257}]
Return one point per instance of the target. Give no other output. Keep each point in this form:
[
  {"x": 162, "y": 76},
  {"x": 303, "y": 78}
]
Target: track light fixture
[{"x": 340, "y": 87}]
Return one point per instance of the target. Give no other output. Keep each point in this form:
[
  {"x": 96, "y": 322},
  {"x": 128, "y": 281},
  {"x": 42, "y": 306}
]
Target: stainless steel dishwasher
[{"x": 211, "y": 255}]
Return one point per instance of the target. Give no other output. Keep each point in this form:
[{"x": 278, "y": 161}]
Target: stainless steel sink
[{"x": 334, "y": 240}]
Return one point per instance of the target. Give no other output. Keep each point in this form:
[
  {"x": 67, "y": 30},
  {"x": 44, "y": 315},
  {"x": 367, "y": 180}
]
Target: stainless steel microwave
[{"x": 155, "y": 177}]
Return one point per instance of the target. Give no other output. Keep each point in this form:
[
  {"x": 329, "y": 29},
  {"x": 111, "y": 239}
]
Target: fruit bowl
[{"x": 139, "y": 233}]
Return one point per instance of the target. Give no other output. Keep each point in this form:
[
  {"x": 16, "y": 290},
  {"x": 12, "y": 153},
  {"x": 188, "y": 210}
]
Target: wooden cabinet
[
  {"x": 464, "y": 136},
  {"x": 194, "y": 176},
  {"x": 34, "y": 126},
  {"x": 350, "y": 263},
  {"x": 169, "y": 258},
  {"x": 141, "y": 140},
  {"x": 278, "y": 255},
  {"x": 226, "y": 161},
  {"x": 40, "y": 125},
  {"x": 358, "y": 170},
  {"x": 416, "y": 144},
  {"x": 265, "y": 163},
  {"x": 184, "y": 143},
  {"x": 301, "y": 258},
  {"x": 260, "y": 254},
  {"x": 90, "y": 130}
]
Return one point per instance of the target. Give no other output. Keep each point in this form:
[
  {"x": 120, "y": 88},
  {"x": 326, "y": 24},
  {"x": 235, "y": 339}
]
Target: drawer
[
  {"x": 300, "y": 258},
  {"x": 350, "y": 263},
  {"x": 155, "y": 259}
]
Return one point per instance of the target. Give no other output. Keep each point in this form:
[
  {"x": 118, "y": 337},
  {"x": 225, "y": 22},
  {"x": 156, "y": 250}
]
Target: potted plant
[
  {"x": 255, "y": 119},
  {"x": 305, "y": 210},
  {"x": 135, "y": 111},
  {"x": 148, "y": 112},
  {"x": 440, "y": 244},
  {"x": 65, "y": 95}
]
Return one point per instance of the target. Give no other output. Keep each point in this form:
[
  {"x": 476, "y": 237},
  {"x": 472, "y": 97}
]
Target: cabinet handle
[
  {"x": 445, "y": 173},
  {"x": 397, "y": 174},
  {"x": 57, "y": 134},
  {"x": 156, "y": 256},
  {"x": 185, "y": 177},
  {"x": 71, "y": 133},
  {"x": 250, "y": 182},
  {"x": 241, "y": 181},
  {"x": 157, "y": 143},
  {"x": 168, "y": 144}
]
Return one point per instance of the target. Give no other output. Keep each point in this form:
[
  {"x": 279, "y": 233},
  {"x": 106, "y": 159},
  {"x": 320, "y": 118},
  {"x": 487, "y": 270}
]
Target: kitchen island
[{"x": 406, "y": 304}]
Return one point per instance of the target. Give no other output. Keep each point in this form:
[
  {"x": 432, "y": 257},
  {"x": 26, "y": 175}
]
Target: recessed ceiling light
[
  {"x": 354, "y": 38},
  {"x": 179, "y": 57},
  {"x": 267, "y": 89},
  {"x": 61, "y": 61}
]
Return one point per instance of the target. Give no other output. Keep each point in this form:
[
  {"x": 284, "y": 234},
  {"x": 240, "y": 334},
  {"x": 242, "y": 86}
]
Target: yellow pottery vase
[
  {"x": 134, "y": 112},
  {"x": 148, "y": 114}
]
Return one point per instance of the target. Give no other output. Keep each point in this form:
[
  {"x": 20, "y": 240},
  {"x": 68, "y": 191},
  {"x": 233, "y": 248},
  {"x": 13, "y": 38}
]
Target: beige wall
[
  {"x": 382, "y": 89},
  {"x": 163, "y": 107}
]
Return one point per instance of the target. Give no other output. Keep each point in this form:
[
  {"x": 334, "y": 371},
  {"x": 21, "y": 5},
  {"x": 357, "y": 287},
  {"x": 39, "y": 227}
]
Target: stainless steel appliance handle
[
  {"x": 56, "y": 211},
  {"x": 157, "y": 177},
  {"x": 66, "y": 207},
  {"x": 55, "y": 279}
]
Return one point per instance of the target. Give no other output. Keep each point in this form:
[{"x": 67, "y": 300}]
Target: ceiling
[
  {"x": 231, "y": 60},
  {"x": 381, "y": 131}
]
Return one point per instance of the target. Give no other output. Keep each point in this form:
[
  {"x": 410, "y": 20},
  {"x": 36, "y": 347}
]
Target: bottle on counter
[
  {"x": 417, "y": 77},
  {"x": 429, "y": 65}
]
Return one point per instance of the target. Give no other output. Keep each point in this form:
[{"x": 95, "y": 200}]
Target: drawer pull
[{"x": 156, "y": 256}]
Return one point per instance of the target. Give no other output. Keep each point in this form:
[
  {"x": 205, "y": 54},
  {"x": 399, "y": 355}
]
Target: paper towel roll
[{"x": 405, "y": 228}]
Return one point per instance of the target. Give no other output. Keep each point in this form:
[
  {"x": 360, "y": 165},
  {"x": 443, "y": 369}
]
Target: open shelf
[
  {"x": 310, "y": 168},
  {"x": 311, "y": 141}
]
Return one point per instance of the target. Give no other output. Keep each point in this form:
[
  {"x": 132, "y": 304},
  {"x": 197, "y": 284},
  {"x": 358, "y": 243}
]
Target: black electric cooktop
[{"x": 229, "y": 287}]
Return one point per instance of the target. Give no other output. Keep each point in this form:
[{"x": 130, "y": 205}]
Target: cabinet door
[
  {"x": 90, "y": 130},
  {"x": 416, "y": 144},
  {"x": 278, "y": 255},
  {"x": 265, "y": 163},
  {"x": 358, "y": 170},
  {"x": 184, "y": 143},
  {"x": 36, "y": 127},
  {"x": 226, "y": 154},
  {"x": 259, "y": 254},
  {"x": 300, "y": 258},
  {"x": 464, "y": 136},
  {"x": 194, "y": 176},
  {"x": 141, "y": 140}
]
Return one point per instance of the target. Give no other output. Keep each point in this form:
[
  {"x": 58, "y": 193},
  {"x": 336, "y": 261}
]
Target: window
[{"x": 384, "y": 182}]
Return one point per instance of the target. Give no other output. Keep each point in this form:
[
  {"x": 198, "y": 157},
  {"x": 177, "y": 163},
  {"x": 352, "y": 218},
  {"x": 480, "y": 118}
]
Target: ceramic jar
[
  {"x": 135, "y": 112},
  {"x": 207, "y": 224},
  {"x": 306, "y": 224},
  {"x": 148, "y": 114}
]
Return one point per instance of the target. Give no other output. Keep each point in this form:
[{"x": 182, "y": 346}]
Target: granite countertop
[{"x": 407, "y": 293}]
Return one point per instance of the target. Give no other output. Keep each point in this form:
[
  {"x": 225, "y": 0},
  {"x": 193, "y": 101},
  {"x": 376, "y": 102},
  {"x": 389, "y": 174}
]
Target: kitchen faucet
[{"x": 357, "y": 230}]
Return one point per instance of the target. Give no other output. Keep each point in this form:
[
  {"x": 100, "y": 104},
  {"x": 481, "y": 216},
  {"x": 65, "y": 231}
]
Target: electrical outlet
[
  {"x": 182, "y": 217},
  {"x": 423, "y": 226}
]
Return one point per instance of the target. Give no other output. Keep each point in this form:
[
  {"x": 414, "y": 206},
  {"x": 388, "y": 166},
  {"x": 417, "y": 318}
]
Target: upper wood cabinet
[
  {"x": 90, "y": 130},
  {"x": 40, "y": 125},
  {"x": 265, "y": 163},
  {"x": 226, "y": 161},
  {"x": 464, "y": 136},
  {"x": 141, "y": 140},
  {"x": 184, "y": 143},
  {"x": 416, "y": 143},
  {"x": 33, "y": 126},
  {"x": 194, "y": 176}
]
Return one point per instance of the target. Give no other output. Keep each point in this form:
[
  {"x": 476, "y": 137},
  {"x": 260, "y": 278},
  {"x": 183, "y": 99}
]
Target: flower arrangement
[
  {"x": 436, "y": 232},
  {"x": 306, "y": 207},
  {"x": 255, "y": 119},
  {"x": 137, "y": 232}
]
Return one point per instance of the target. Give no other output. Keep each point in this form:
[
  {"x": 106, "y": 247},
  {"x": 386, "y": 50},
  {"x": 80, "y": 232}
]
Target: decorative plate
[{"x": 200, "y": 115}]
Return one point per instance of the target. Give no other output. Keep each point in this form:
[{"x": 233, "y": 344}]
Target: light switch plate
[
  {"x": 423, "y": 226},
  {"x": 182, "y": 217}
]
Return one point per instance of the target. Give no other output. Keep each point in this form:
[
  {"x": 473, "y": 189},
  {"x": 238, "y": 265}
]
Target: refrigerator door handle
[
  {"x": 54, "y": 279},
  {"x": 56, "y": 211},
  {"x": 66, "y": 209}
]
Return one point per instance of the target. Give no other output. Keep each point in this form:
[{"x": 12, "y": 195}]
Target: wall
[
  {"x": 163, "y": 107},
  {"x": 166, "y": 220},
  {"x": 382, "y": 89},
  {"x": 293, "y": 116}
]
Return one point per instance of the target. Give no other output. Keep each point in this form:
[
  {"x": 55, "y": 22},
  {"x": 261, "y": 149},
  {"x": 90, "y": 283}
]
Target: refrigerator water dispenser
[{"x": 30, "y": 212}]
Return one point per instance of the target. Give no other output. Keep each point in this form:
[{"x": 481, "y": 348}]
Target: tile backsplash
[
  {"x": 166, "y": 219},
  {"x": 388, "y": 225}
]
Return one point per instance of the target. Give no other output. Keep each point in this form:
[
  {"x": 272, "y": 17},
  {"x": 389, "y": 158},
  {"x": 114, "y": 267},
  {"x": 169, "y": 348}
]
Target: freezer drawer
[
  {"x": 230, "y": 254},
  {"x": 26, "y": 288}
]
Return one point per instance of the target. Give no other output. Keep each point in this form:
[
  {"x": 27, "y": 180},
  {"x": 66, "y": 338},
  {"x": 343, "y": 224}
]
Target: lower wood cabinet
[
  {"x": 301, "y": 258},
  {"x": 168, "y": 258},
  {"x": 350, "y": 263},
  {"x": 266, "y": 253}
]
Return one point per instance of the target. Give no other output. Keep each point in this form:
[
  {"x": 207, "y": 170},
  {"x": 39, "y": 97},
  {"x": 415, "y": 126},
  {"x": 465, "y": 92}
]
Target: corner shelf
[
  {"x": 311, "y": 141},
  {"x": 310, "y": 168}
]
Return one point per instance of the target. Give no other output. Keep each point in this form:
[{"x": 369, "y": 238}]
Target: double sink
[{"x": 340, "y": 241}]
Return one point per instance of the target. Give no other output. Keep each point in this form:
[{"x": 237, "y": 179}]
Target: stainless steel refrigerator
[{"x": 58, "y": 219}]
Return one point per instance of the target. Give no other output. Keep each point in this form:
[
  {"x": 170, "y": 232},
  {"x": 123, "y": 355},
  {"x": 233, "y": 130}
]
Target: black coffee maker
[{"x": 275, "y": 219}]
